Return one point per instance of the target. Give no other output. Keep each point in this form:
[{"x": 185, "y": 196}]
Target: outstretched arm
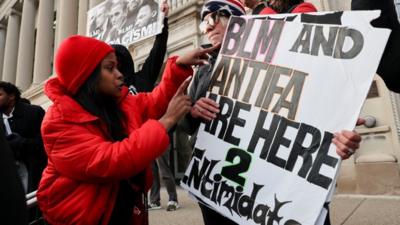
[{"x": 148, "y": 75}]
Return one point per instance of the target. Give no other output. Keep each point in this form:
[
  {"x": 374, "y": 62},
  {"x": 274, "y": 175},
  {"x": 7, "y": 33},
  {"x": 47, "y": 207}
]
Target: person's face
[
  {"x": 143, "y": 17},
  {"x": 5, "y": 100},
  {"x": 117, "y": 16},
  {"x": 101, "y": 16},
  {"x": 111, "y": 80},
  {"x": 214, "y": 27},
  {"x": 134, "y": 4}
]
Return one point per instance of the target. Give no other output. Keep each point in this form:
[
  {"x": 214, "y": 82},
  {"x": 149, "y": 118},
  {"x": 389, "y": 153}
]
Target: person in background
[
  {"x": 22, "y": 122},
  {"x": 215, "y": 15},
  {"x": 144, "y": 79},
  {"x": 12, "y": 195},
  {"x": 100, "y": 140},
  {"x": 162, "y": 167}
]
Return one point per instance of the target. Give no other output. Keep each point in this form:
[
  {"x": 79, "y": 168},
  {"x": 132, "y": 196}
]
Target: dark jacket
[
  {"x": 27, "y": 143},
  {"x": 12, "y": 195},
  {"x": 144, "y": 79},
  {"x": 198, "y": 89}
]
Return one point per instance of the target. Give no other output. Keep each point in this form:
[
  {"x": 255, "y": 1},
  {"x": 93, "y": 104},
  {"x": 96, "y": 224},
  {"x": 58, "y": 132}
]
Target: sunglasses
[{"x": 211, "y": 21}]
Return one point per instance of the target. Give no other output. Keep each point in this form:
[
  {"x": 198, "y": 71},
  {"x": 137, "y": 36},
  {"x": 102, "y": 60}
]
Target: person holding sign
[
  {"x": 215, "y": 15},
  {"x": 100, "y": 140},
  {"x": 144, "y": 79}
]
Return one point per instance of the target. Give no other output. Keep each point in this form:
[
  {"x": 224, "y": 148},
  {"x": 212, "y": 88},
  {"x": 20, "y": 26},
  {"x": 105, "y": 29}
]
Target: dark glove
[{"x": 15, "y": 141}]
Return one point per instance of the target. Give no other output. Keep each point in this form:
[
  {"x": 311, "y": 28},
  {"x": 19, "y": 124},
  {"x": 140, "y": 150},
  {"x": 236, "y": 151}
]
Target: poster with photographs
[{"x": 124, "y": 21}]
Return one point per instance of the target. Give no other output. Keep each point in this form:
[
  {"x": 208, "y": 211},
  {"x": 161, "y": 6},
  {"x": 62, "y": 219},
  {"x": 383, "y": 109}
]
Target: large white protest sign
[
  {"x": 283, "y": 88},
  {"x": 124, "y": 21}
]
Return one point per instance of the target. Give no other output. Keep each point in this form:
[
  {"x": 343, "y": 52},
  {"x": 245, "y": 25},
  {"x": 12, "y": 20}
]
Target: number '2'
[{"x": 233, "y": 172}]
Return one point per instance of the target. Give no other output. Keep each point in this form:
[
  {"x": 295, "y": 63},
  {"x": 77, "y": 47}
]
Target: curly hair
[{"x": 10, "y": 88}]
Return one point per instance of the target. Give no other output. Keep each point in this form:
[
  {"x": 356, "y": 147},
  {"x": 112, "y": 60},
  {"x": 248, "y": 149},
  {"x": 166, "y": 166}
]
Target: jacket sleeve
[
  {"x": 157, "y": 101},
  {"x": 82, "y": 154},
  {"x": 147, "y": 76},
  {"x": 188, "y": 123},
  {"x": 36, "y": 143}
]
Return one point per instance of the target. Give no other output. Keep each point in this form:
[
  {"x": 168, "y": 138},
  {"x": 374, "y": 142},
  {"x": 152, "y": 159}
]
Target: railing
[
  {"x": 31, "y": 200},
  {"x": 35, "y": 216}
]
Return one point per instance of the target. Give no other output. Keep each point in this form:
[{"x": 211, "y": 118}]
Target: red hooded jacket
[
  {"x": 304, "y": 7},
  {"x": 80, "y": 183}
]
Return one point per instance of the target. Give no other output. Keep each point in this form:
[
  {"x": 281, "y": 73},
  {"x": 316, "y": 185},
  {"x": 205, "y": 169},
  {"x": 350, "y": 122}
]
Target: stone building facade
[{"x": 31, "y": 30}]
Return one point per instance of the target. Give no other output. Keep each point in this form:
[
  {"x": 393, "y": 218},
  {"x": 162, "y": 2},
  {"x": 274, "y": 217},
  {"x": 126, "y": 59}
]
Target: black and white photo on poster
[
  {"x": 284, "y": 88},
  {"x": 125, "y": 21}
]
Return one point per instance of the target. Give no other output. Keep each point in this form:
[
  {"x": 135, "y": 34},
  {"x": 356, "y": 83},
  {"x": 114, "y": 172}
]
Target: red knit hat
[{"x": 76, "y": 58}]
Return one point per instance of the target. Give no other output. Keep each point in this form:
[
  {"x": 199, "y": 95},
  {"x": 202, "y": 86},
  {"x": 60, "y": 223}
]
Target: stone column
[
  {"x": 67, "y": 21},
  {"x": 2, "y": 46},
  {"x": 57, "y": 27},
  {"x": 82, "y": 17},
  {"x": 335, "y": 5},
  {"x": 44, "y": 42},
  {"x": 320, "y": 4},
  {"x": 26, "y": 45},
  {"x": 11, "y": 49},
  {"x": 93, "y": 3}
]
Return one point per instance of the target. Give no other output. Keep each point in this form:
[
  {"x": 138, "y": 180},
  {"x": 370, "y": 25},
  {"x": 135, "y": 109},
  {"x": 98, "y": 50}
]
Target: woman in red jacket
[{"x": 100, "y": 140}]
